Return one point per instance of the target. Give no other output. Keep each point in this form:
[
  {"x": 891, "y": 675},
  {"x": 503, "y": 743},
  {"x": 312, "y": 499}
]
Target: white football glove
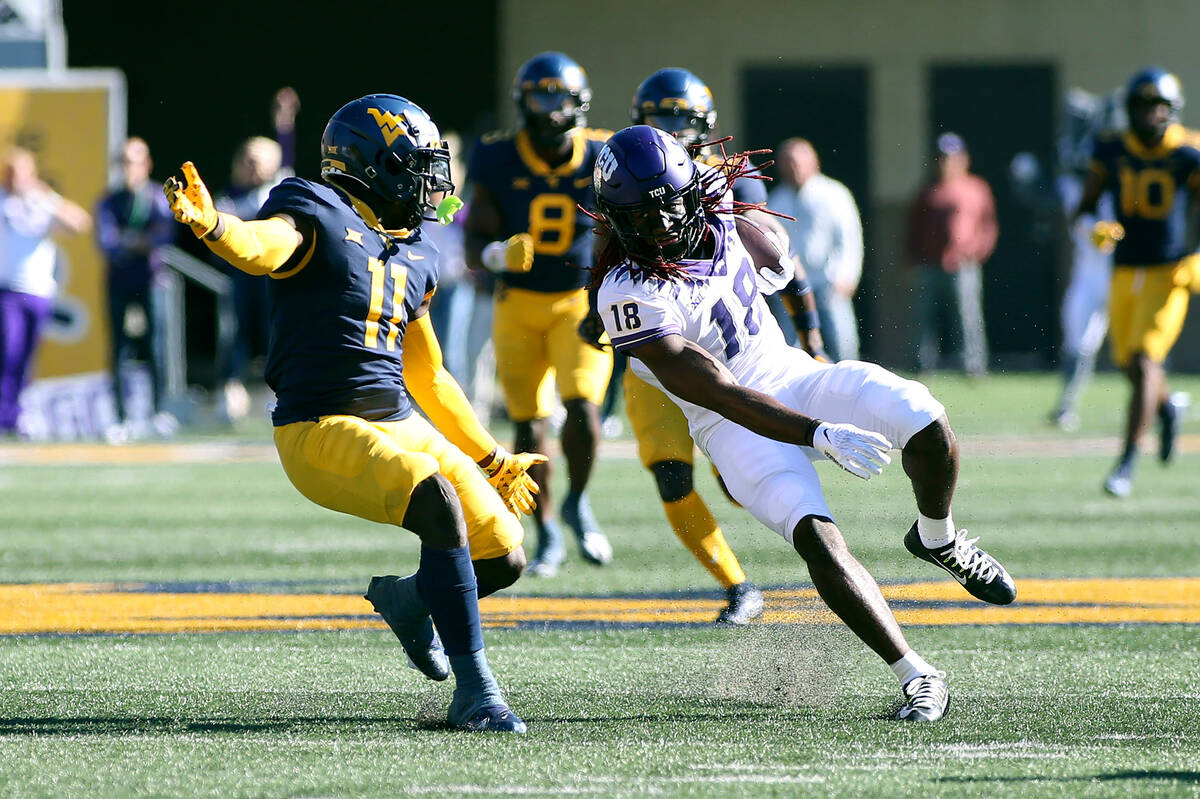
[{"x": 858, "y": 451}]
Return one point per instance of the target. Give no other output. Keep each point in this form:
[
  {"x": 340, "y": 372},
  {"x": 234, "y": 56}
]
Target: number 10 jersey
[{"x": 717, "y": 304}]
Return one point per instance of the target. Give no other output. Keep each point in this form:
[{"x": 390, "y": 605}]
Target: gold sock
[{"x": 698, "y": 530}]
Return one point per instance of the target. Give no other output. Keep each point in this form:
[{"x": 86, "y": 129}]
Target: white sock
[
  {"x": 935, "y": 533},
  {"x": 910, "y": 667}
]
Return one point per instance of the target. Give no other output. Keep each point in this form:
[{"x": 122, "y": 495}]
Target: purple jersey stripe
[{"x": 645, "y": 336}]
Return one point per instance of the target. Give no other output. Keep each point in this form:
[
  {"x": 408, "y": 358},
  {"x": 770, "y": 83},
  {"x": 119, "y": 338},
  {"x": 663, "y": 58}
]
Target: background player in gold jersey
[
  {"x": 1153, "y": 172},
  {"x": 524, "y": 224}
]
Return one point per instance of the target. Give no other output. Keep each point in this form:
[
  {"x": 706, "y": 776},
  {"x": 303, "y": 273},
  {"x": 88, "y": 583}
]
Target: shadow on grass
[
  {"x": 1192, "y": 777},
  {"x": 168, "y": 725},
  {"x": 90, "y": 725}
]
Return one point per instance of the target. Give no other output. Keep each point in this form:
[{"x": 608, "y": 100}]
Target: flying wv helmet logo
[{"x": 391, "y": 126}]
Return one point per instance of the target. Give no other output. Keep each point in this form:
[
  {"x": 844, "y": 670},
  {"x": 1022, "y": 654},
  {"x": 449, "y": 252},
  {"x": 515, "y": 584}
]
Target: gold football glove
[
  {"x": 191, "y": 204},
  {"x": 512, "y": 255},
  {"x": 508, "y": 474},
  {"x": 1106, "y": 234}
]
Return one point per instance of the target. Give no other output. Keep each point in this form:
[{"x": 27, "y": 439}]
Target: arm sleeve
[
  {"x": 258, "y": 247},
  {"x": 635, "y": 314},
  {"x": 438, "y": 393}
]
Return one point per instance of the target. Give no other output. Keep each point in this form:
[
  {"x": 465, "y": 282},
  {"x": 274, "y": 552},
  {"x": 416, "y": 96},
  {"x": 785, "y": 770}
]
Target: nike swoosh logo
[
  {"x": 412, "y": 256},
  {"x": 961, "y": 580}
]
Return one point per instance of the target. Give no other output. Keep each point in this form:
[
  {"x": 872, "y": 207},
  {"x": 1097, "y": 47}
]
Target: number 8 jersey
[
  {"x": 543, "y": 201},
  {"x": 338, "y": 316},
  {"x": 717, "y": 304}
]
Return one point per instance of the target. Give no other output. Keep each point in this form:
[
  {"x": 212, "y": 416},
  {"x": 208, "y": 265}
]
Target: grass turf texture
[{"x": 769, "y": 711}]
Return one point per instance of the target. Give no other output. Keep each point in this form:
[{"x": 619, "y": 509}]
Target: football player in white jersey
[{"x": 680, "y": 288}]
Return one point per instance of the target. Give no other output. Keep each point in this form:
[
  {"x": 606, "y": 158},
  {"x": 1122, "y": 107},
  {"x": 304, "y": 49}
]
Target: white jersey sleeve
[{"x": 638, "y": 312}]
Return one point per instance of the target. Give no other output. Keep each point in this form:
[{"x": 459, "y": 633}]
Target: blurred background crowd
[{"x": 931, "y": 167}]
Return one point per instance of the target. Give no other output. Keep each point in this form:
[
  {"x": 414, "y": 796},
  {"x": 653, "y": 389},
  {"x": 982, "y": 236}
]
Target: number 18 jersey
[{"x": 716, "y": 304}]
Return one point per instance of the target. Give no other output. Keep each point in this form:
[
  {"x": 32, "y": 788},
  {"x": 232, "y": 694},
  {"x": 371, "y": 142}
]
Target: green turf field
[{"x": 627, "y": 710}]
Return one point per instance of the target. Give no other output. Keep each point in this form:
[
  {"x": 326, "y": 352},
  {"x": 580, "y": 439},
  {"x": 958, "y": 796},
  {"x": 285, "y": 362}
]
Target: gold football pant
[
  {"x": 537, "y": 345},
  {"x": 369, "y": 470},
  {"x": 1147, "y": 308}
]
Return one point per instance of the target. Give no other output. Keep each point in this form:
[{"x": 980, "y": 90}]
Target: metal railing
[{"x": 185, "y": 267}]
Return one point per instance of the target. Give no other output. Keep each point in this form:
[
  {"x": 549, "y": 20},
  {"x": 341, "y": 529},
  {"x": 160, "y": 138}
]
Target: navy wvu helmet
[
  {"x": 552, "y": 95},
  {"x": 678, "y": 102},
  {"x": 648, "y": 189},
  {"x": 386, "y": 152},
  {"x": 1151, "y": 87}
]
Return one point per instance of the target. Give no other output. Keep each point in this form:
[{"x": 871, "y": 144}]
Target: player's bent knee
[
  {"x": 936, "y": 438},
  {"x": 818, "y": 540},
  {"x": 674, "y": 479},
  {"x": 435, "y": 514},
  {"x": 581, "y": 410},
  {"x": 495, "y": 574}
]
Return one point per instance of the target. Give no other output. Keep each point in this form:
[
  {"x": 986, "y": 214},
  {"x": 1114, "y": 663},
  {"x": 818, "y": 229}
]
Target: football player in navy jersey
[
  {"x": 525, "y": 225},
  {"x": 1153, "y": 172},
  {"x": 351, "y": 348}
]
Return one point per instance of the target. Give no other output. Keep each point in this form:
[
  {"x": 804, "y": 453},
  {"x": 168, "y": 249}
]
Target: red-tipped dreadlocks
[{"x": 729, "y": 170}]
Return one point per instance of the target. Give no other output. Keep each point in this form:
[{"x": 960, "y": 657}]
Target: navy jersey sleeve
[
  {"x": 293, "y": 197},
  {"x": 430, "y": 266}
]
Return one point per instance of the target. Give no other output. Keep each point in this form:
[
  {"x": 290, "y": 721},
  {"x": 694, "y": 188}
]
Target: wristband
[
  {"x": 800, "y": 286},
  {"x": 811, "y": 432}
]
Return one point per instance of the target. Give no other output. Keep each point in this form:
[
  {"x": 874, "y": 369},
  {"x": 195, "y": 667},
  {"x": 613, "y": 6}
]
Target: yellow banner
[{"x": 67, "y": 129}]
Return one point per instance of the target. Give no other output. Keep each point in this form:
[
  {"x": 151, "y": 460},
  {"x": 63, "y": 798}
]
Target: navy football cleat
[
  {"x": 391, "y": 598},
  {"x": 977, "y": 571},
  {"x": 745, "y": 603},
  {"x": 494, "y": 717},
  {"x": 926, "y": 698}
]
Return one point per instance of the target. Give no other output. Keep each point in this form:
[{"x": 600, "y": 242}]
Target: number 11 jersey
[
  {"x": 715, "y": 304},
  {"x": 338, "y": 315}
]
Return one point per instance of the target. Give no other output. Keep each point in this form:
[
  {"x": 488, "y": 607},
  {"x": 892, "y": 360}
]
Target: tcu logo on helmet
[{"x": 606, "y": 164}]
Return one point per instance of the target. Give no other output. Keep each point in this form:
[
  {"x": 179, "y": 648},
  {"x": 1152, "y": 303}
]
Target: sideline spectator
[
  {"x": 826, "y": 237},
  {"x": 131, "y": 220},
  {"x": 29, "y": 211},
  {"x": 952, "y": 230},
  {"x": 258, "y": 166}
]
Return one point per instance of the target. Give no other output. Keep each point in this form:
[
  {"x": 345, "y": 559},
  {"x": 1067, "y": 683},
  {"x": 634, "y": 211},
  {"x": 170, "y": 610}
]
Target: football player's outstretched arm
[
  {"x": 691, "y": 374},
  {"x": 257, "y": 247},
  {"x": 443, "y": 400}
]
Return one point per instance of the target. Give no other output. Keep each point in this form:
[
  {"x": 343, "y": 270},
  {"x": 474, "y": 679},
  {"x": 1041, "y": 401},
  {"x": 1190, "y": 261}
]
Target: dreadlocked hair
[{"x": 714, "y": 186}]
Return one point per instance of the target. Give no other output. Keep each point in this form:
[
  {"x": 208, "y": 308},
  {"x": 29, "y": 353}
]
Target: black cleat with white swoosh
[{"x": 977, "y": 571}]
